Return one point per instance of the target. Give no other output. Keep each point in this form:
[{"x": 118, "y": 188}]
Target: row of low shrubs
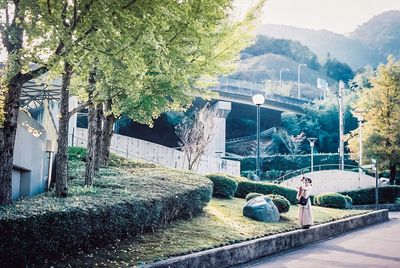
[
  {"x": 124, "y": 201},
  {"x": 280, "y": 202},
  {"x": 387, "y": 194},
  {"x": 227, "y": 186}
]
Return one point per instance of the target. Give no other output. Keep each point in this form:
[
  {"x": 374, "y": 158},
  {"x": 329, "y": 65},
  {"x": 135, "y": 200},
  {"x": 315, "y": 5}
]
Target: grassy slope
[{"x": 221, "y": 223}]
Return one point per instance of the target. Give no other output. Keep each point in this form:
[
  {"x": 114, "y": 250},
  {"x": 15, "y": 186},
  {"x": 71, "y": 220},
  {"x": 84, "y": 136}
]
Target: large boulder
[{"x": 261, "y": 208}]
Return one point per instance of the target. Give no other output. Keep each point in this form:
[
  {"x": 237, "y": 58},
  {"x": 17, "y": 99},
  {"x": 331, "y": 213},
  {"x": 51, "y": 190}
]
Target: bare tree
[
  {"x": 196, "y": 134},
  {"x": 292, "y": 143}
]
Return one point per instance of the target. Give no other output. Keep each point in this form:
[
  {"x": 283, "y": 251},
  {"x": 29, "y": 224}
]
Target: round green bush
[
  {"x": 252, "y": 195},
  {"x": 280, "y": 202},
  {"x": 332, "y": 200},
  {"x": 224, "y": 186}
]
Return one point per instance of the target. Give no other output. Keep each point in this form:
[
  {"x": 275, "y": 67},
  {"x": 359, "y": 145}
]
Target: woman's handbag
[{"x": 303, "y": 201}]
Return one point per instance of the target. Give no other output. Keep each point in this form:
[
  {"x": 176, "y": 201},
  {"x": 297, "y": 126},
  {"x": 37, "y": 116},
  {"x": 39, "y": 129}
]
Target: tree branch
[
  {"x": 48, "y": 7},
  {"x": 129, "y": 4},
  {"x": 64, "y": 14},
  {"x": 80, "y": 107},
  {"x": 33, "y": 74},
  {"x": 80, "y": 17},
  {"x": 85, "y": 34}
]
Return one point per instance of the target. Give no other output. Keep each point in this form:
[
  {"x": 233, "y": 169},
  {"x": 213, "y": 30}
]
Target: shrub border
[{"x": 254, "y": 249}]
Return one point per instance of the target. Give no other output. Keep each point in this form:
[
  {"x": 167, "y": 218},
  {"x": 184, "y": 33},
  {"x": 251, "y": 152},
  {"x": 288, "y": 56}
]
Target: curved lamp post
[
  {"x": 258, "y": 100},
  {"x": 359, "y": 114},
  {"x": 298, "y": 78},
  {"x": 280, "y": 75},
  {"x": 312, "y": 143}
]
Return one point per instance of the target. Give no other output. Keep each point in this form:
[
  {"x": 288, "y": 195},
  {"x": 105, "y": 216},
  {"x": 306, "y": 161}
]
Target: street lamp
[
  {"x": 312, "y": 143},
  {"x": 280, "y": 76},
  {"x": 298, "y": 78},
  {"x": 360, "y": 118},
  {"x": 258, "y": 100},
  {"x": 341, "y": 125}
]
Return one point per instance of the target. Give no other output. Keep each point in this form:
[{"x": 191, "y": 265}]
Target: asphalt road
[{"x": 376, "y": 246}]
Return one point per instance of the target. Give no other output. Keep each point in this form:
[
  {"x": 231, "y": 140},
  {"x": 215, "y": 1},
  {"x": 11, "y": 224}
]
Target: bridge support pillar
[{"x": 217, "y": 145}]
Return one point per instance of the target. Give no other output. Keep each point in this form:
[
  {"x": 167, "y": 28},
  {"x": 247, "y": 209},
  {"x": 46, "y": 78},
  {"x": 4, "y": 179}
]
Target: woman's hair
[{"x": 309, "y": 180}]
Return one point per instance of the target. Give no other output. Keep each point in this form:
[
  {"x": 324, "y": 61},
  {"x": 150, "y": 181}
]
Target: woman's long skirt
[{"x": 305, "y": 214}]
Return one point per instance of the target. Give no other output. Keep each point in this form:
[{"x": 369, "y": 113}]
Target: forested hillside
[
  {"x": 381, "y": 32},
  {"x": 323, "y": 43}
]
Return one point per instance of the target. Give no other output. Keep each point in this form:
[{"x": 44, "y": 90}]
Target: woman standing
[{"x": 305, "y": 214}]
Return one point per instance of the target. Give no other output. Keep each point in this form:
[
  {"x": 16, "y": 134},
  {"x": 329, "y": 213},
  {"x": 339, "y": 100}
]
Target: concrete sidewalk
[{"x": 376, "y": 246}]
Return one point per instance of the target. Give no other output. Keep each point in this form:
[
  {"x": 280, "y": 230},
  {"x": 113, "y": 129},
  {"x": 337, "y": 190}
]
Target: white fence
[{"x": 132, "y": 148}]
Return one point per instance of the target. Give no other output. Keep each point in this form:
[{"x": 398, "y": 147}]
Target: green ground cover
[
  {"x": 221, "y": 223},
  {"x": 127, "y": 198}
]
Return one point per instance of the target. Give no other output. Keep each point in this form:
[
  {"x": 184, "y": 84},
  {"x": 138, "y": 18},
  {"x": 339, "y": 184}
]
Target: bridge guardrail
[{"x": 246, "y": 88}]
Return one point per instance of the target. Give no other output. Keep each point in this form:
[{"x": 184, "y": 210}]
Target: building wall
[
  {"x": 29, "y": 172},
  {"x": 132, "y": 148}
]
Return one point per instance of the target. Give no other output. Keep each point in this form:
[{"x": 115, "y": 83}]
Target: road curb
[
  {"x": 390, "y": 207},
  {"x": 261, "y": 247}
]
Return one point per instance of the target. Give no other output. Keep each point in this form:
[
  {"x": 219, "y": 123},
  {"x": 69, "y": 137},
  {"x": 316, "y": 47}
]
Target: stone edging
[
  {"x": 390, "y": 207},
  {"x": 254, "y": 249}
]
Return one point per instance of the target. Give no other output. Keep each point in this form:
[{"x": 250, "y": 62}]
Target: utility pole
[
  {"x": 375, "y": 168},
  {"x": 341, "y": 126},
  {"x": 298, "y": 79}
]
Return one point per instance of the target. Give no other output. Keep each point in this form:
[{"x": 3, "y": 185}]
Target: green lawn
[{"x": 221, "y": 223}]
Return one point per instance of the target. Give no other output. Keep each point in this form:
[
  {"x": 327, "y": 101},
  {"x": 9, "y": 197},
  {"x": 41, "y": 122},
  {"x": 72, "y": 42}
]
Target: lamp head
[
  {"x": 258, "y": 99},
  {"x": 312, "y": 141}
]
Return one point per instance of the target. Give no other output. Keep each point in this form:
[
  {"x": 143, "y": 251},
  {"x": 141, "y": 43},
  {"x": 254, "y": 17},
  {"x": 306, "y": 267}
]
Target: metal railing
[
  {"x": 316, "y": 168},
  {"x": 246, "y": 88}
]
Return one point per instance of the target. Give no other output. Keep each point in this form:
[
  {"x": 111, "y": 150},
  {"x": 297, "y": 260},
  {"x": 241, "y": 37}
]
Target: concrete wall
[
  {"x": 30, "y": 165},
  {"x": 333, "y": 181},
  {"x": 143, "y": 150}
]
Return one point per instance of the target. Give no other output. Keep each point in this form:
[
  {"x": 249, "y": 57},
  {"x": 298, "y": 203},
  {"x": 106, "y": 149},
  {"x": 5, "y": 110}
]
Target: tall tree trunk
[
  {"x": 92, "y": 133},
  {"x": 99, "y": 134},
  {"x": 62, "y": 141},
  {"x": 108, "y": 132},
  {"x": 7, "y": 139},
  {"x": 91, "y": 146},
  {"x": 393, "y": 171},
  {"x": 12, "y": 39}
]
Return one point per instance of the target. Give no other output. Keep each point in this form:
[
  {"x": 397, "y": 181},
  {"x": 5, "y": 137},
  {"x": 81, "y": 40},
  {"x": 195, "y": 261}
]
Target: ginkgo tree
[
  {"x": 161, "y": 70},
  {"x": 380, "y": 108}
]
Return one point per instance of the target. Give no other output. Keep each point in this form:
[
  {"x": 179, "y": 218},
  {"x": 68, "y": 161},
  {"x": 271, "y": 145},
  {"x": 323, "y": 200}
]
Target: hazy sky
[{"x": 340, "y": 16}]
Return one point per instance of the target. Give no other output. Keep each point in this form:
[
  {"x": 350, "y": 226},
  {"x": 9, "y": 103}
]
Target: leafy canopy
[{"x": 381, "y": 114}]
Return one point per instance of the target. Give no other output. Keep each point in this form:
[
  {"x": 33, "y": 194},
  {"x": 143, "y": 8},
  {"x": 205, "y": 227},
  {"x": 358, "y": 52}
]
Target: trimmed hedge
[
  {"x": 387, "y": 194},
  {"x": 280, "y": 202},
  {"x": 123, "y": 202},
  {"x": 332, "y": 200},
  {"x": 246, "y": 187},
  {"x": 223, "y": 186},
  {"x": 252, "y": 195}
]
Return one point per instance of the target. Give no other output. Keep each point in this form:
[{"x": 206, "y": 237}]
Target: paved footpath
[{"x": 376, "y": 246}]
